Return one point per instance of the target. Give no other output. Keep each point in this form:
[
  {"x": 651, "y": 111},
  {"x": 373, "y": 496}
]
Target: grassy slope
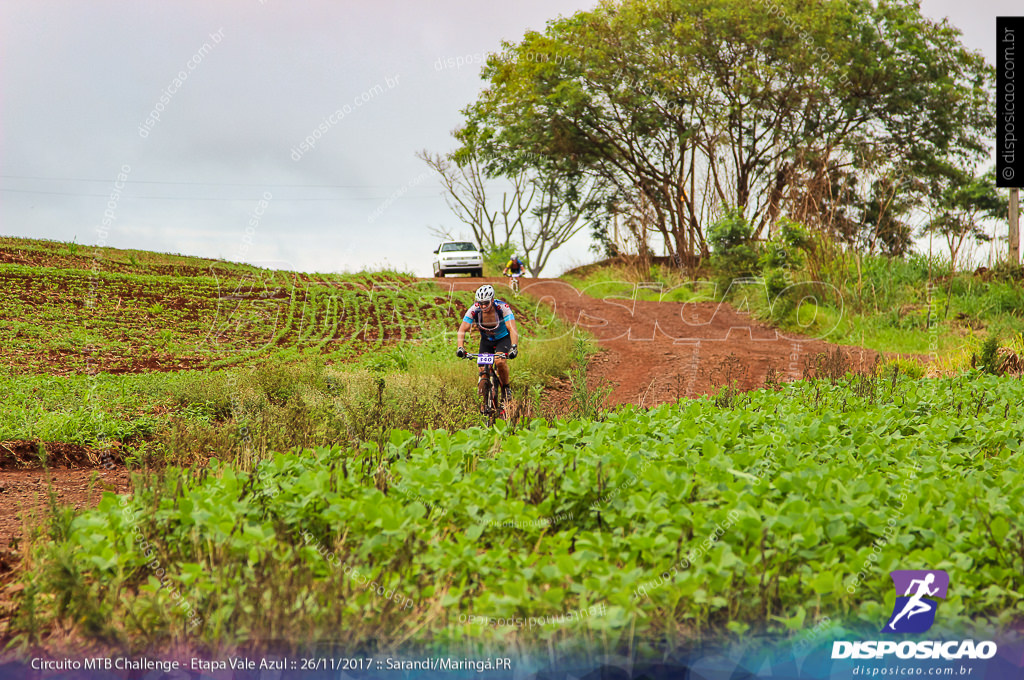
[
  {"x": 890, "y": 306},
  {"x": 88, "y": 358}
]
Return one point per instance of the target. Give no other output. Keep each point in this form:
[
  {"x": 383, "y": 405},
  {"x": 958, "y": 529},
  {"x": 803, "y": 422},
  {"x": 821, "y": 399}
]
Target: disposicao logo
[{"x": 914, "y": 612}]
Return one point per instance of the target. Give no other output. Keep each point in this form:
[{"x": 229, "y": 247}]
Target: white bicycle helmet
[{"x": 485, "y": 293}]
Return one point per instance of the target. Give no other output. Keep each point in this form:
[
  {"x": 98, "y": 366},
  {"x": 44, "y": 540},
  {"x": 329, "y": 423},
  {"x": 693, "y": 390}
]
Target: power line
[
  {"x": 204, "y": 184},
  {"x": 197, "y": 198}
]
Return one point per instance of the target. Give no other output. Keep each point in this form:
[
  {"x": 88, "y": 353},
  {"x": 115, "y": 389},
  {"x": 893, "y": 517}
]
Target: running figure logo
[{"x": 912, "y": 613}]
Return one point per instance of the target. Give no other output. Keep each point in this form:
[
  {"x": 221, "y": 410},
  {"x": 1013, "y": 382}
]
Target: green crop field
[
  {"x": 169, "y": 358},
  {"x": 641, "y": 527},
  {"x": 308, "y": 464},
  {"x": 65, "y": 317}
]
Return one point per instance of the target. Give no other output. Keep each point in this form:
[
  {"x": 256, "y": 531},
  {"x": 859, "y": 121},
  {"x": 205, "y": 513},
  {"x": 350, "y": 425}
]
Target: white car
[{"x": 454, "y": 257}]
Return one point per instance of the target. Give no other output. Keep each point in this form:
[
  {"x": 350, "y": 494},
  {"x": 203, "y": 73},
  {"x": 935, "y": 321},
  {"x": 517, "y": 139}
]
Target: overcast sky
[{"x": 80, "y": 82}]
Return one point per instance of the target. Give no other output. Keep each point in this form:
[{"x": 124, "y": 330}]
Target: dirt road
[{"x": 654, "y": 352}]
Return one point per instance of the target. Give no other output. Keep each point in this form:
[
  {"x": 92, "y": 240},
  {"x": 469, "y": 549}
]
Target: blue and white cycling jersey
[{"x": 474, "y": 314}]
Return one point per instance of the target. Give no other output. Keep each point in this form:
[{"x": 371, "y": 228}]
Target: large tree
[{"x": 699, "y": 105}]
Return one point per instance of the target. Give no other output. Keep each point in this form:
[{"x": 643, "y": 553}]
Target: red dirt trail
[{"x": 657, "y": 352}]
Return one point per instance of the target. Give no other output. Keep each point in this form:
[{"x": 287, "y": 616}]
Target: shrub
[
  {"x": 495, "y": 257},
  {"x": 987, "y": 358},
  {"x": 784, "y": 250},
  {"x": 734, "y": 253},
  {"x": 1004, "y": 298},
  {"x": 730, "y": 234},
  {"x": 775, "y": 282},
  {"x": 1006, "y": 271}
]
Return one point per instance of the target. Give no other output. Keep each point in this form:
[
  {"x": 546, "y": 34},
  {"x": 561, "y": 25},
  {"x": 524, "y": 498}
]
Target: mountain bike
[
  {"x": 493, "y": 408},
  {"x": 513, "y": 283}
]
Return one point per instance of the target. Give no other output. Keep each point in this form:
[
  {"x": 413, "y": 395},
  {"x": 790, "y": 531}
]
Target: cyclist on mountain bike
[
  {"x": 514, "y": 266},
  {"x": 497, "y": 325}
]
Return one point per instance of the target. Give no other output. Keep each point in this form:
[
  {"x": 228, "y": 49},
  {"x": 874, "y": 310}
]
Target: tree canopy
[{"x": 820, "y": 109}]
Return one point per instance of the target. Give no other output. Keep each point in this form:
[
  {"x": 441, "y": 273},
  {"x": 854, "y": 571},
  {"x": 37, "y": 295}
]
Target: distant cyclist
[
  {"x": 497, "y": 325},
  {"x": 514, "y": 267}
]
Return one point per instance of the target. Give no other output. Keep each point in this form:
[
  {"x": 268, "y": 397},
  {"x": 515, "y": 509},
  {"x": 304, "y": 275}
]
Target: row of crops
[
  {"x": 77, "y": 320},
  {"x": 782, "y": 510}
]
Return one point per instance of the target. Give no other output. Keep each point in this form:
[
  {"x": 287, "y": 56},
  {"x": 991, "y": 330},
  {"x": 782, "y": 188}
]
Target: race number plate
[{"x": 484, "y": 359}]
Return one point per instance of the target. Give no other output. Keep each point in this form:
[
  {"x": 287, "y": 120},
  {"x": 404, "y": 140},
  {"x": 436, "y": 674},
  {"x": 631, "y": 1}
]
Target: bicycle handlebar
[{"x": 503, "y": 355}]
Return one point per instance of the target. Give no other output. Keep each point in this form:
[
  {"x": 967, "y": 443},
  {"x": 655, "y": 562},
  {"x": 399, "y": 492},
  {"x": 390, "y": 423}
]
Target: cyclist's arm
[
  {"x": 513, "y": 332},
  {"x": 510, "y": 321},
  {"x": 460, "y": 339}
]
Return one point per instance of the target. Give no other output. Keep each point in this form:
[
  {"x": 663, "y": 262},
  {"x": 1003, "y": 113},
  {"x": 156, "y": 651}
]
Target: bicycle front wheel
[
  {"x": 489, "y": 400},
  {"x": 496, "y": 392}
]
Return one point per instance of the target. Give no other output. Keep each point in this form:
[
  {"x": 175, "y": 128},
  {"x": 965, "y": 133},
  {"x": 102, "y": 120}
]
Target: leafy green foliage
[
  {"x": 776, "y": 281},
  {"x": 757, "y": 528},
  {"x": 587, "y": 401},
  {"x": 496, "y": 257},
  {"x": 988, "y": 359},
  {"x": 730, "y": 234},
  {"x": 734, "y": 252},
  {"x": 784, "y": 249},
  {"x": 634, "y": 92}
]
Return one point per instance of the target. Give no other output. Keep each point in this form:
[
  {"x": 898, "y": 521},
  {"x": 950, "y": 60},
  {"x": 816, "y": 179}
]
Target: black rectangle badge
[{"x": 1009, "y": 113}]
